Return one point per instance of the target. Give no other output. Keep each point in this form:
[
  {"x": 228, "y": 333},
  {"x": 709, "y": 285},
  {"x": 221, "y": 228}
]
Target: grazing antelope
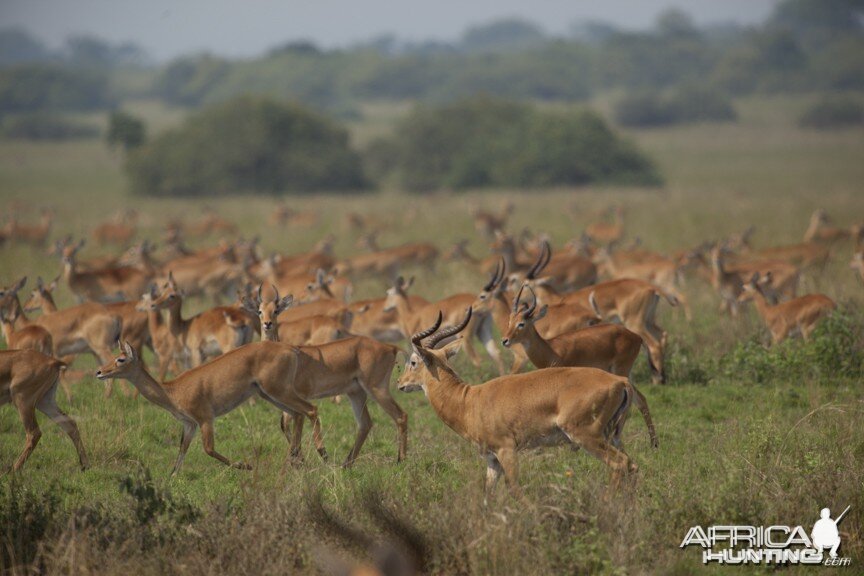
[
  {"x": 798, "y": 315},
  {"x": 86, "y": 328},
  {"x": 199, "y": 396},
  {"x": 165, "y": 346},
  {"x": 207, "y": 334},
  {"x": 311, "y": 330},
  {"x": 488, "y": 223},
  {"x": 582, "y": 407},
  {"x": 28, "y": 380},
  {"x": 610, "y": 347},
  {"x": 632, "y": 302},
  {"x": 387, "y": 262},
  {"x": 608, "y": 232},
  {"x": 30, "y": 337},
  {"x": 211, "y": 223},
  {"x": 370, "y": 319},
  {"x": 134, "y": 322},
  {"x": 727, "y": 284},
  {"x": 119, "y": 230},
  {"x": 806, "y": 255},
  {"x": 820, "y": 229},
  {"x": 563, "y": 272},
  {"x": 493, "y": 306},
  {"x": 411, "y": 319},
  {"x": 105, "y": 285},
  {"x": 35, "y": 235},
  {"x": 356, "y": 367}
]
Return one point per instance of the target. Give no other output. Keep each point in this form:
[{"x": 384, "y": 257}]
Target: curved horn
[
  {"x": 518, "y": 298},
  {"x": 533, "y": 306},
  {"x": 547, "y": 250},
  {"x": 275, "y": 293},
  {"x": 260, "y": 289},
  {"x": 493, "y": 280},
  {"x": 535, "y": 269},
  {"x": 450, "y": 331},
  {"x": 417, "y": 339}
]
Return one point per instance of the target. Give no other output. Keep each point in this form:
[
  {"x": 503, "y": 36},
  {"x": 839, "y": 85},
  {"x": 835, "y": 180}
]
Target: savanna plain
[{"x": 748, "y": 435}]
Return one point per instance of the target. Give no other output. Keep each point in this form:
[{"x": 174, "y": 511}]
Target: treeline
[
  {"x": 805, "y": 45},
  {"x": 260, "y": 146}
]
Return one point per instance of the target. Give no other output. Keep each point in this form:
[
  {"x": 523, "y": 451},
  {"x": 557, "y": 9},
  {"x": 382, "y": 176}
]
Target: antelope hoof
[
  {"x": 242, "y": 466},
  {"x": 323, "y": 453}
]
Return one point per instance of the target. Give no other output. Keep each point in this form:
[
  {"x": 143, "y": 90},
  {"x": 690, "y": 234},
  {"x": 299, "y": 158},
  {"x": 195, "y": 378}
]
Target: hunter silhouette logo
[
  {"x": 775, "y": 544},
  {"x": 825, "y": 533}
]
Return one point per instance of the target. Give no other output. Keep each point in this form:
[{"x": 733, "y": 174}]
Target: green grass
[{"x": 732, "y": 450}]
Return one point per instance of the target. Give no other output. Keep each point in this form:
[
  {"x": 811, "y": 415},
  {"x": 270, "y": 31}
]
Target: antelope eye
[
  {"x": 520, "y": 325},
  {"x": 413, "y": 363},
  {"x": 482, "y": 296},
  {"x": 120, "y": 360},
  {"x": 259, "y": 313}
]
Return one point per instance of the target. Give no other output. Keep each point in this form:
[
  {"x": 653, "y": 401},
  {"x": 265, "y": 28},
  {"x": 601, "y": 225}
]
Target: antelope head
[
  {"x": 268, "y": 310},
  {"x": 123, "y": 365},
  {"x": 428, "y": 362},
  {"x": 397, "y": 291},
  {"x": 496, "y": 284},
  {"x": 522, "y": 316},
  {"x": 9, "y": 295},
  {"x": 171, "y": 295},
  {"x": 41, "y": 295}
]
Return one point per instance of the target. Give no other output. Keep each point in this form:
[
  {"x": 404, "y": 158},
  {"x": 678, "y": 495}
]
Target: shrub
[
  {"x": 485, "y": 142},
  {"x": 247, "y": 145},
  {"x": 832, "y": 112},
  {"x": 684, "y": 105},
  {"x": 836, "y": 348},
  {"x": 45, "y": 126},
  {"x": 125, "y": 130}
]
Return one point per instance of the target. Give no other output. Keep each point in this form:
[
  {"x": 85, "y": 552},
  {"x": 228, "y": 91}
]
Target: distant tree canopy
[
  {"x": 45, "y": 126},
  {"x": 33, "y": 87},
  {"x": 247, "y": 145},
  {"x": 503, "y": 35},
  {"x": 682, "y": 105},
  {"x": 486, "y": 142},
  {"x": 833, "y": 112}
]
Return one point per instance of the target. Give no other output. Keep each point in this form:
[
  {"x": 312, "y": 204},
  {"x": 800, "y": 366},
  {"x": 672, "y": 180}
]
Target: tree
[
  {"x": 125, "y": 130},
  {"x": 247, "y": 145}
]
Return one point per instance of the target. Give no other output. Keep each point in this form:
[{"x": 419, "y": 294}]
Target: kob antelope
[
  {"x": 28, "y": 379},
  {"x": 799, "y": 315},
  {"x": 584, "y": 407}
]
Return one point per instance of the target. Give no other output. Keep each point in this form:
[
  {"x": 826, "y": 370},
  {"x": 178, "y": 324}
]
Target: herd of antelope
[{"x": 581, "y": 314}]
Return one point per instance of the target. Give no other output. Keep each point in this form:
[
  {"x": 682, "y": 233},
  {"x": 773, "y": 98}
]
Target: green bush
[
  {"x": 832, "y": 112},
  {"x": 684, "y": 105},
  {"x": 125, "y": 130},
  {"x": 247, "y": 145},
  {"x": 835, "y": 349},
  {"x": 45, "y": 126},
  {"x": 485, "y": 142}
]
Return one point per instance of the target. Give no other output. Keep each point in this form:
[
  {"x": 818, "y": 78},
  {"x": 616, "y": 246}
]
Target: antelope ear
[
  {"x": 541, "y": 313},
  {"x": 409, "y": 283},
  {"x": 53, "y": 285},
  {"x": 755, "y": 278},
  {"x": 247, "y": 305},
  {"x": 128, "y": 350},
  {"x": 20, "y": 284},
  {"x": 284, "y": 303},
  {"x": 452, "y": 348}
]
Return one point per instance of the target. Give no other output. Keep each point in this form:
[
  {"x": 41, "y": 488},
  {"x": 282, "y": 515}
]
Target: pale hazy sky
[{"x": 167, "y": 28}]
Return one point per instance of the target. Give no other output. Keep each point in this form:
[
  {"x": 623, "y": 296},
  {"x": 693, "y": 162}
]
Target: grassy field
[{"x": 747, "y": 436}]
